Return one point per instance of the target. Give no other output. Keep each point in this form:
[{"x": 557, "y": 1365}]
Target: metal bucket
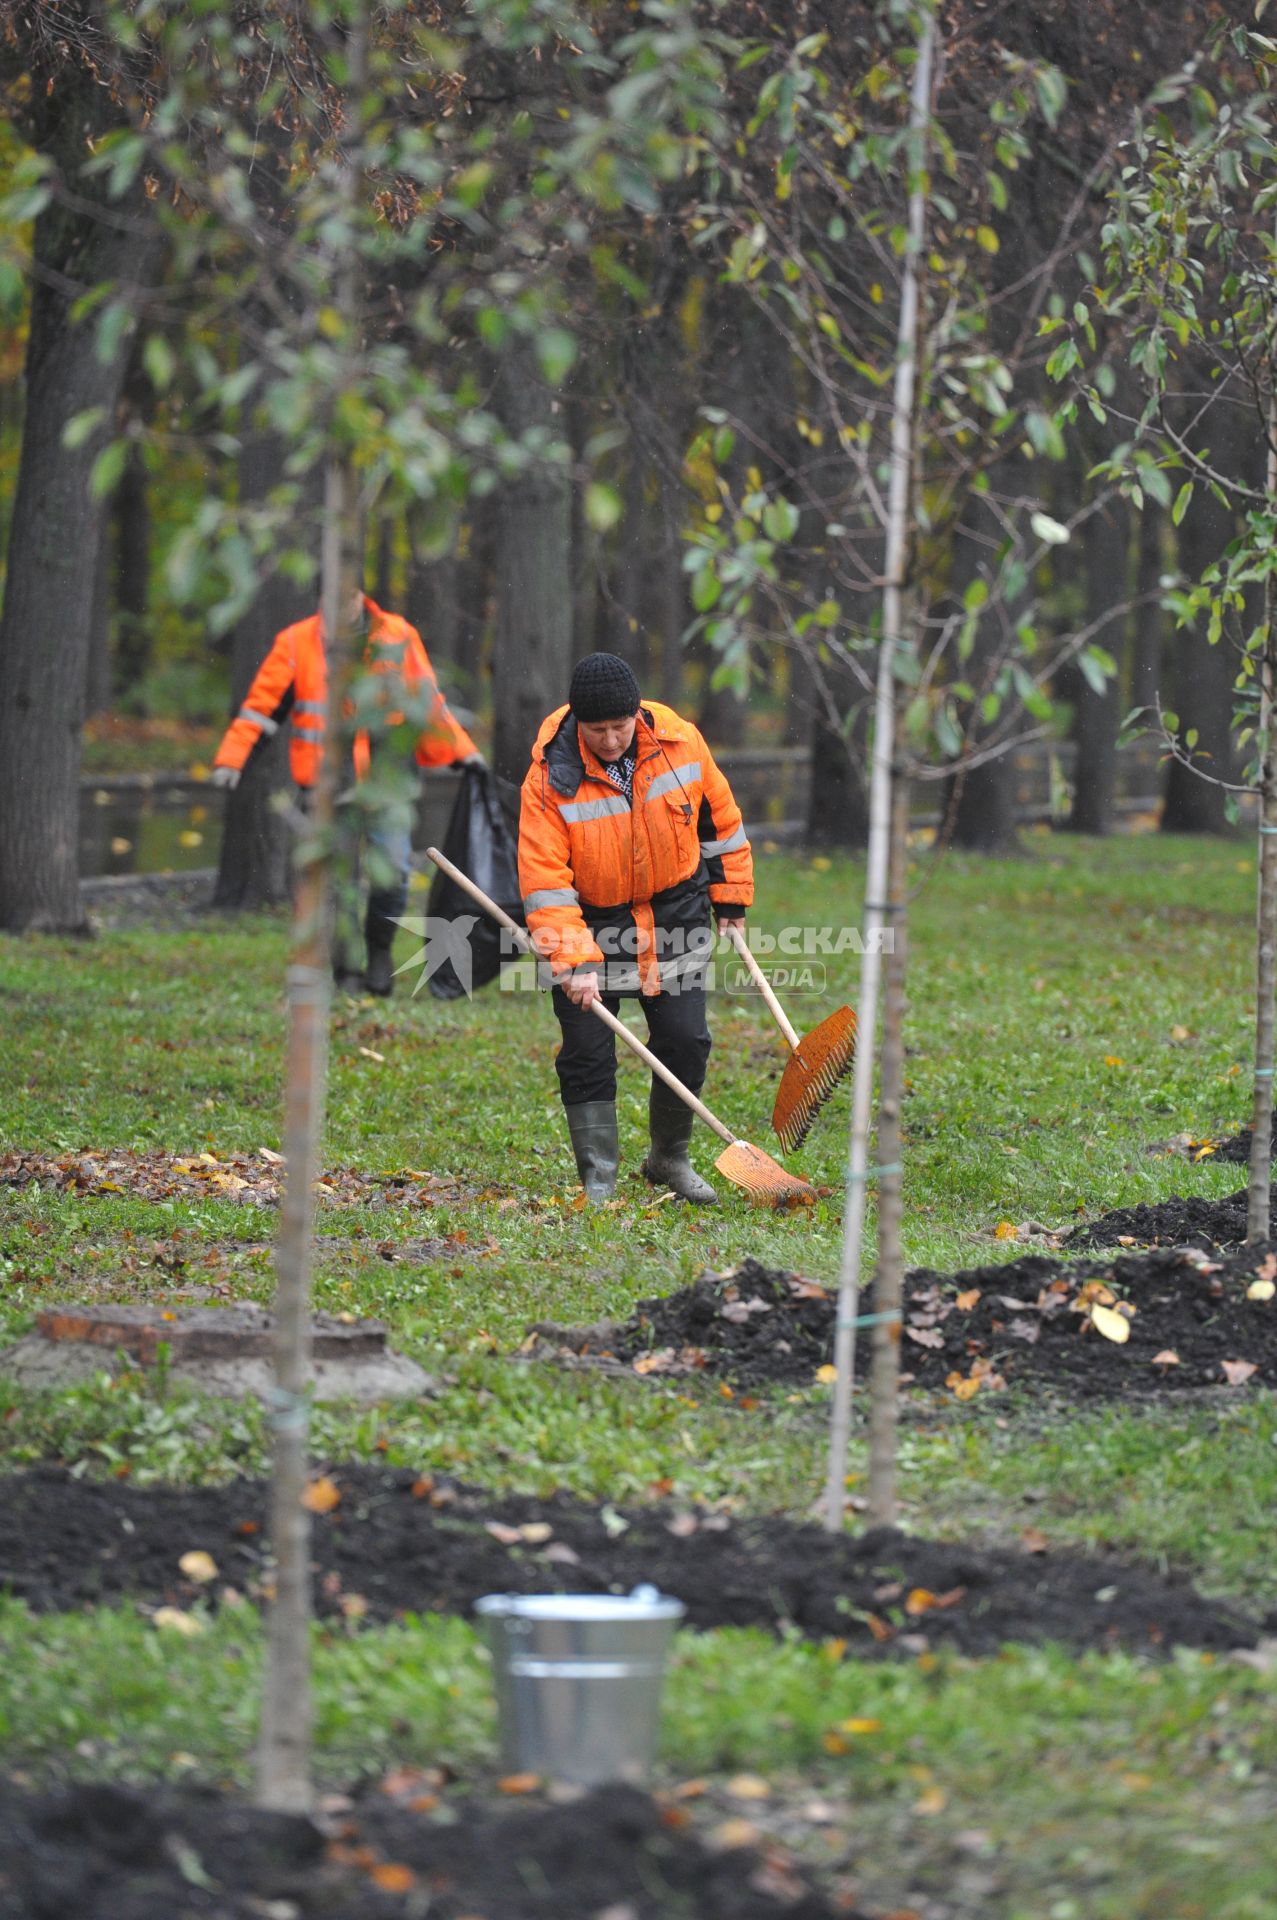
[{"x": 578, "y": 1680}]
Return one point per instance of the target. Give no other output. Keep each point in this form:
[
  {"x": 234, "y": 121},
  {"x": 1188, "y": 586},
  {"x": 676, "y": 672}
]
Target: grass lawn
[{"x": 1069, "y": 1010}]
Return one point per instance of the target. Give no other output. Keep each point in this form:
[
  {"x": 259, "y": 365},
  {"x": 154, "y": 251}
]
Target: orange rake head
[
  {"x": 761, "y": 1178},
  {"x": 822, "y": 1060}
]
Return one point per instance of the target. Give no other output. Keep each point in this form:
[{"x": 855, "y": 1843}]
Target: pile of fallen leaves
[
  {"x": 251, "y": 1179},
  {"x": 1136, "y": 1322}
]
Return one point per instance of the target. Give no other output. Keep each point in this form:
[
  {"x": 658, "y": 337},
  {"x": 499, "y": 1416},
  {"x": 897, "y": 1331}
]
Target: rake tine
[{"x": 816, "y": 1064}]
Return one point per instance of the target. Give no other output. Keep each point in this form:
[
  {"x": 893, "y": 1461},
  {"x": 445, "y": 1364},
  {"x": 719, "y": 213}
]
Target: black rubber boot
[
  {"x": 667, "y": 1165},
  {"x": 384, "y": 909},
  {"x": 593, "y": 1129}
]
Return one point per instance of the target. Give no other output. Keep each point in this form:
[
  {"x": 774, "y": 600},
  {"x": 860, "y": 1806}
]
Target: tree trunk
[
  {"x": 1259, "y": 1187},
  {"x": 670, "y": 610},
  {"x": 1097, "y": 715},
  {"x": 532, "y": 654},
  {"x": 1150, "y": 619},
  {"x": 132, "y": 577},
  {"x": 255, "y": 867},
  {"x": 882, "y": 772},
  {"x": 1204, "y": 675},
  {"x": 56, "y": 527},
  {"x": 837, "y": 802},
  {"x": 97, "y": 667},
  {"x": 284, "y": 1747},
  {"x": 889, "y": 1276},
  {"x": 980, "y": 806}
]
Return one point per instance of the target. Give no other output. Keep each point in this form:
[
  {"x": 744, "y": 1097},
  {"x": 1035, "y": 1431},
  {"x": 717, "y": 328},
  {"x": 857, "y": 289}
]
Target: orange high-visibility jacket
[
  {"x": 589, "y": 859},
  {"x": 292, "y": 683}
]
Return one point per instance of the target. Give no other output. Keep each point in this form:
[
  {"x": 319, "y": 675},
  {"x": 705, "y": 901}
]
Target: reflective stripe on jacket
[
  {"x": 292, "y": 683},
  {"x": 589, "y": 858}
]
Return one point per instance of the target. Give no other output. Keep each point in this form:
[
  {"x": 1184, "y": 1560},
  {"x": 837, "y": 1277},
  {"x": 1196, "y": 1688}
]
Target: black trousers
[{"x": 678, "y": 1034}]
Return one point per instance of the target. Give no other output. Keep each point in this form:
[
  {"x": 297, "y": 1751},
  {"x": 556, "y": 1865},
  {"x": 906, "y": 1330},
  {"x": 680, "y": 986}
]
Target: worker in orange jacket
[
  {"x": 291, "y": 687},
  {"x": 630, "y": 842}
]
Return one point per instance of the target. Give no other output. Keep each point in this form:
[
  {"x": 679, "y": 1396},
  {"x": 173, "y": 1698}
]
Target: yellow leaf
[
  {"x": 965, "y": 1389},
  {"x": 1261, "y": 1290},
  {"x": 1114, "y": 1060},
  {"x": 178, "y": 1622},
  {"x": 198, "y": 1565},
  {"x": 321, "y": 1496},
  {"x": 968, "y": 1299},
  {"x": 861, "y": 1724},
  {"x": 934, "y": 1800},
  {"x": 734, "y": 1833},
  {"x": 820, "y": 863},
  {"x": 826, "y": 1375},
  {"x": 748, "y": 1786},
  {"x": 190, "y": 838},
  {"x": 833, "y": 1743},
  {"x": 987, "y": 239},
  {"x": 1113, "y": 1325},
  {"x": 920, "y": 1600},
  {"x": 1005, "y": 1230}
]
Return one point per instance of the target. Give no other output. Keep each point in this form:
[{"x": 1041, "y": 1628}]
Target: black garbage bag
[{"x": 482, "y": 839}]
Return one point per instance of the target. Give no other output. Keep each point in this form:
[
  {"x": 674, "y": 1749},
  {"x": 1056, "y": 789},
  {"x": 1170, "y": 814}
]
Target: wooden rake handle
[
  {"x": 609, "y": 1019},
  {"x": 764, "y": 985}
]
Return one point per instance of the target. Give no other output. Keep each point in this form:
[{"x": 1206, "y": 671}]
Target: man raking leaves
[
  {"x": 630, "y": 844},
  {"x": 744, "y": 1165}
]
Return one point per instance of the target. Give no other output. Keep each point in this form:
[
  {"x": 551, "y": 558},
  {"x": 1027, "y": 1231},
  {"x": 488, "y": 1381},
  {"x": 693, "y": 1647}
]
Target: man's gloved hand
[
  {"x": 473, "y": 760},
  {"x": 226, "y": 777}
]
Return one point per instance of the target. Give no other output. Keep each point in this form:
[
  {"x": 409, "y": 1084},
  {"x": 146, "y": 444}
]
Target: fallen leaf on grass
[
  {"x": 661, "y": 1360},
  {"x": 321, "y": 1496},
  {"x": 517, "y": 1783},
  {"x": 186, "y": 1624},
  {"x": 961, "y": 1387},
  {"x": 1236, "y": 1372},
  {"x": 932, "y": 1800},
  {"x": 1006, "y": 1230},
  {"x": 198, "y": 1565},
  {"x": 826, "y": 1375},
  {"x": 748, "y": 1786}
]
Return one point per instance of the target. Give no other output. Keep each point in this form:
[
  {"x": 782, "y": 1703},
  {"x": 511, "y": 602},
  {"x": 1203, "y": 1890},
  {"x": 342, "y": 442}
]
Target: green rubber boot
[
  {"x": 667, "y": 1165},
  {"x": 594, "y": 1142}
]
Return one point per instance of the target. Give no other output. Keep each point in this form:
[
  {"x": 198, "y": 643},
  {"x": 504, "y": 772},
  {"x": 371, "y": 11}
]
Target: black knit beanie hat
[{"x": 603, "y": 688}]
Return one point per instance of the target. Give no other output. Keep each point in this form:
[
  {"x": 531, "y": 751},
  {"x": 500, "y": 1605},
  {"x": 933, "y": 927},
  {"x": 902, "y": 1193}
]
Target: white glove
[
  {"x": 472, "y": 760},
  {"x": 227, "y": 777}
]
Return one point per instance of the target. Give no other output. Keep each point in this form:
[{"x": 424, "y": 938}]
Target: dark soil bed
[
  {"x": 97, "y": 1852},
  {"x": 1133, "y": 1322},
  {"x": 1179, "y": 1221},
  {"x": 393, "y": 1544}
]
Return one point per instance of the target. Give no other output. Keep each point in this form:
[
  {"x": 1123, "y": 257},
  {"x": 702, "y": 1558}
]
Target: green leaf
[
  {"x": 705, "y": 590},
  {"x": 602, "y": 506},
  {"x": 107, "y": 469},
  {"x": 780, "y": 520},
  {"x": 1182, "y": 499},
  {"x": 556, "y": 352},
  {"x": 976, "y": 595},
  {"x": 1049, "y": 530},
  {"x": 160, "y": 362},
  {"x": 81, "y": 426}
]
